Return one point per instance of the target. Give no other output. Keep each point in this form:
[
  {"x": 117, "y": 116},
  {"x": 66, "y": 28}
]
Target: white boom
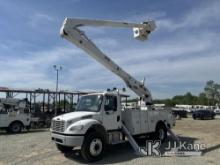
[{"x": 70, "y": 31}]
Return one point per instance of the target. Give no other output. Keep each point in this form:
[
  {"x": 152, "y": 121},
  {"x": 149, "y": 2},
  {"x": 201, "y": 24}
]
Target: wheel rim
[
  {"x": 16, "y": 128},
  {"x": 95, "y": 147},
  {"x": 161, "y": 134}
]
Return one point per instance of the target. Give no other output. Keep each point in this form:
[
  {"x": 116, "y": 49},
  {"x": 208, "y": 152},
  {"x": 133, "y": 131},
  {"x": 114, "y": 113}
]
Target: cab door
[
  {"x": 3, "y": 118},
  {"x": 111, "y": 114}
]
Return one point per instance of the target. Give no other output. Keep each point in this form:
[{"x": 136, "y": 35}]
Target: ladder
[
  {"x": 131, "y": 140},
  {"x": 134, "y": 144}
]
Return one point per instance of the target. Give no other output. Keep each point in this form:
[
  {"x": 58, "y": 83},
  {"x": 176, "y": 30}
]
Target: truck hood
[{"x": 74, "y": 115}]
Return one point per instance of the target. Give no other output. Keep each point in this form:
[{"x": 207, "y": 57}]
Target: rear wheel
[
  {"x": 178, "y": 117},
  {"x": 161, "y": 133},
  {"x": 93, "y": 147},
  {"x": 15, "y": 127},
  {"x": 64, "y": 149}
]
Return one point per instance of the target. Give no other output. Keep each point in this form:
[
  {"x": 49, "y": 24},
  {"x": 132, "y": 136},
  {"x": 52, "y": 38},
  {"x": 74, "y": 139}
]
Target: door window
[{"x": 111, "y": 103}]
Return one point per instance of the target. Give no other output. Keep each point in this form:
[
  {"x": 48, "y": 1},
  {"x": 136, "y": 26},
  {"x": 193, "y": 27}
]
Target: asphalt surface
[{"x": 35, "y": 147}]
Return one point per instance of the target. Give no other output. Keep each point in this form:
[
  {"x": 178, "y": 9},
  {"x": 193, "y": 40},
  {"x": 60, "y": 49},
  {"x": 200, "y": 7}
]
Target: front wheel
[
  {"x": 64, "y": 149},
  {"x": 93, "y": 147}
]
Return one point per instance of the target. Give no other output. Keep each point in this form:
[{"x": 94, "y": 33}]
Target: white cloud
[
  {"x": 147, "y": 16},
  {"x": 38, "y": 19},
  {"x": 200, "y": 16},
  {"x": 183, "y": 46},
  {"x": 193, "y": 70},
  {"x": 31, "y": 70}
]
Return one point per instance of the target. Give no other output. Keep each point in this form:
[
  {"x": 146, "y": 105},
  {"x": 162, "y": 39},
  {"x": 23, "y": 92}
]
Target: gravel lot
[{"x": 35, "y": 147}]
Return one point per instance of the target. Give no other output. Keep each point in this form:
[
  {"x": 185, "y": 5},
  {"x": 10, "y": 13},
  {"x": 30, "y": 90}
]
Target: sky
[{"x": 181, "y": 55}]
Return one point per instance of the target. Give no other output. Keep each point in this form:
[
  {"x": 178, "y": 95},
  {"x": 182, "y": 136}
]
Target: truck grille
[{"x": 58, "y": 126}]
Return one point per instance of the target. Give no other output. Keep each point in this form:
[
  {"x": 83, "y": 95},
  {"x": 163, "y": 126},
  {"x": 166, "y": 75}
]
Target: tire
[
  {"x": 64, "y": 149},
  {"x": 15, "y": 127},
  {"x": 194, "y": 117},
  {"x": 178, "y": 117},
  {"x": 93, "y": 147},
  {"x": 161, "y": 133}
]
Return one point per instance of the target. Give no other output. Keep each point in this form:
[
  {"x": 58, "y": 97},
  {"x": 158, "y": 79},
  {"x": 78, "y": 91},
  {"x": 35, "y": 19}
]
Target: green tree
[
  {"x": 212, "y": 91},
  {"x": 202, "y": 99}
]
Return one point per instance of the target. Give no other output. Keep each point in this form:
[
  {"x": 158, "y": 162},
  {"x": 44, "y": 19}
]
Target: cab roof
[{"x": 110, "y": 93}]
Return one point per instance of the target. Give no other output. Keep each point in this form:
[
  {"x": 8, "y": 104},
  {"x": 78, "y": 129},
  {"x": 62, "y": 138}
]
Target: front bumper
[{"x": 72, "y": 140}]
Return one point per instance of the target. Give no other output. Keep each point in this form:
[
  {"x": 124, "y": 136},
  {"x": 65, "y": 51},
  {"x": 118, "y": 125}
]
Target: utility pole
[{"x": 57, "y": 69}]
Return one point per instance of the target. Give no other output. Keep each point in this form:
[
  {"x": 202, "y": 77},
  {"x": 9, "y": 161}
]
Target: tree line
[{"x": 209, "y": 96}]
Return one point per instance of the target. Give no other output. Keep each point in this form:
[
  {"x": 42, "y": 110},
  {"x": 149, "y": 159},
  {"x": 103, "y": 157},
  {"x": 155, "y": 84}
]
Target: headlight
[{"x": 76, "y": 127}]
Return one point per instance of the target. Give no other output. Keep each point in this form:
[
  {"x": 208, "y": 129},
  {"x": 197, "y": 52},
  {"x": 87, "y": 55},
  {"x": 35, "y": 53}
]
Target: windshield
[{"x": 90, "y": 103}]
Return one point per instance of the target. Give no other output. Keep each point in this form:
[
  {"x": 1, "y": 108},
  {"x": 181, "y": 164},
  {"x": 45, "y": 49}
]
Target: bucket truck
[
  {"x": 99, "y": 118},
  {"x": 14, "y": 115}
]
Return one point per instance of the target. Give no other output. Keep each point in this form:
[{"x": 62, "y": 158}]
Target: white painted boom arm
[{"x": 70, "y": 30}]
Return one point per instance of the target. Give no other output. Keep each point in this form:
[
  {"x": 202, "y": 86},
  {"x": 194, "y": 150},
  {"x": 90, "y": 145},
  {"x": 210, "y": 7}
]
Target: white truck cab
[
  {"x": 98, "y": 121},
  {"x": 102, "y": 109}
]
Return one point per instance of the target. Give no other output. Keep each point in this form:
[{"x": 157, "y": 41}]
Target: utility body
[{"x": 99, "y": 118}]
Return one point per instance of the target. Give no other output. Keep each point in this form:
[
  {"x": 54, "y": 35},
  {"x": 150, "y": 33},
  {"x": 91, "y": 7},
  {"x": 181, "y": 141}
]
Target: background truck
[
  {"x": 14, "y": 114},
  {"x": 99, "y": 118}
]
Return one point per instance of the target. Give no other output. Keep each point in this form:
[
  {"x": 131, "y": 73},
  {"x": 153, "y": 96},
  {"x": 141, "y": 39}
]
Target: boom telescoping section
[{"x": 70, "y": 31}]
